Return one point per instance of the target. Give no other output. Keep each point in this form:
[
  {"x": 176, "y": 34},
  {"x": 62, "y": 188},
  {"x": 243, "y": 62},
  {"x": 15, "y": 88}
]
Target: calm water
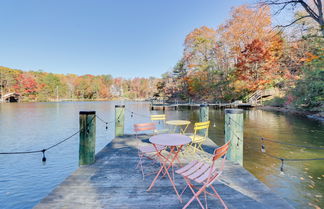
[{"x": 25, "y": 180}]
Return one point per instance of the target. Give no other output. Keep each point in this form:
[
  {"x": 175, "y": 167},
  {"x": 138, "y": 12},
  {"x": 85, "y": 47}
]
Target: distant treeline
[{"x": 43, "y": 86}]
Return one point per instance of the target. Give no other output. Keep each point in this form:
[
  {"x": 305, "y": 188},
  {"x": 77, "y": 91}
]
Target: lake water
[{"x": 25, "y": 180}]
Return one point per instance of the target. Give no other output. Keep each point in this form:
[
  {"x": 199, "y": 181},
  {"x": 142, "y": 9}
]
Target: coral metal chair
[
  {"x": 205, "y": 174},
  {"x": 148, "y": 150},
  {"x": 159, "y": 119},
  {"x": 200, "y": 135}
]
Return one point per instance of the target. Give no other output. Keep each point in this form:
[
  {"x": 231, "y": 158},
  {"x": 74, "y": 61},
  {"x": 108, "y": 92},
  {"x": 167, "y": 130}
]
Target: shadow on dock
[{"x": 113, "y": 182}]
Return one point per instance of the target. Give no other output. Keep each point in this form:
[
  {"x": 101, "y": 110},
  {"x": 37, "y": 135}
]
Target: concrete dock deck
[{"x": 113, "y": 182}]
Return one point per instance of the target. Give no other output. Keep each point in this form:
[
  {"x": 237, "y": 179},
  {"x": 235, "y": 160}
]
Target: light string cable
[
  {"x": 109, "y": 122},
  {"x": 135, "y": 113},
  {"x": 50, "y": 147},
  {"x": 282, "y": 159},
  {"x": 276, "y": 141}
]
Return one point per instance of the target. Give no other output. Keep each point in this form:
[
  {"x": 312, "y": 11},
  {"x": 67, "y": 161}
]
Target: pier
[
  {"x": 194, "y": 106},
  {"x": 114, "y": 182}
]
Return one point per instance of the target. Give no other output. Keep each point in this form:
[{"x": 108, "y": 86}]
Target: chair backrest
[
  {"x": 144, "y": 127},
  {"x": 221, "y": 151},
  {"x": 218, "y": 153},
  {"x": 201, "y": 128}
]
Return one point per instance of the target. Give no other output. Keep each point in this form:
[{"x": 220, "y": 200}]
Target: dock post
[
  {"x": 203, "y": 113},
  {"x": 87, "y": 145},
  {"x": 203, "y": 116},
  {"x": 234, "y": 132},
  {"x": 119, "y": 120}
]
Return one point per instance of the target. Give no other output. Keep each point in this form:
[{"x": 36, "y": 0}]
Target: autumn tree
[
  {"x": 245, "y": 25},
  {"x": 8, "y": 79},
  {"x": 50, "y": 86},
  {"x": 199, "y": 48},
  {"x": 26, "y": 85},
  {"x": 259, "y": 65}
]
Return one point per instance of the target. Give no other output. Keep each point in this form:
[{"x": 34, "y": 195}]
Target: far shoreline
[
  {"x": 311, "y": 115},
  {"x": 317, "y": 116}
]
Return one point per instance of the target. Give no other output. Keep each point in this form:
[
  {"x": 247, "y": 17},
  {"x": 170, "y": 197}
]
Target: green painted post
[
  {"x": 87, "y": 146},
  {"x": 119, "y": 120},
  {"x": 203, "y": 116},
  {"x": 203, "y": 113},
  {"x": 234, "y": 132}
]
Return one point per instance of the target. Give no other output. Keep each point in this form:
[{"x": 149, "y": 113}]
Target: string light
[
  {"x": 44, "y": 157},
  {"x": 262, "y": 146},
  {"x": 282, "y": 165}
]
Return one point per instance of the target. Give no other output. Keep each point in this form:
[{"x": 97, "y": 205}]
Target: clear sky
[{"x": 134, "y": 38}]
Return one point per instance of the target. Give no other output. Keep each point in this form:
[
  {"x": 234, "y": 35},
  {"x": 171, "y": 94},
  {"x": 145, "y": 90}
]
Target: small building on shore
[{"x": 10, "y": 97}]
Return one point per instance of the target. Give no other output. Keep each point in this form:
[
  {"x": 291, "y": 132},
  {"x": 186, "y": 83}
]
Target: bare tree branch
[
  {"x": 310, "y": 11},
  {"x": 296, "y": 20},
  {"x": 314, "y": 13}
]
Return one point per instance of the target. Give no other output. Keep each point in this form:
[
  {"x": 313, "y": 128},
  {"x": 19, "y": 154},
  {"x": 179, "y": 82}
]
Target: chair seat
[
  {"x": 196, "y": 171},
  {"x": 150, "y": 148},
  {"x": 197, "y": 138}
]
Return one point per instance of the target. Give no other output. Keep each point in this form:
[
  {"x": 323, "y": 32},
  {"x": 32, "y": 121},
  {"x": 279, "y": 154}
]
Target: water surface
[{"x": 25, "y": 180}]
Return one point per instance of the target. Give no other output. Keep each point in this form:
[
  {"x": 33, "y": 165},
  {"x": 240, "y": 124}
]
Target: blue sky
[{"x": 134, "y": 38}]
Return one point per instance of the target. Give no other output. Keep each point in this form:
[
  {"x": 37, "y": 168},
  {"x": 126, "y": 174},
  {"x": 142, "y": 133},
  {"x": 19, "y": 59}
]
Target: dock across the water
[
  {"x": 114, "y": 182},
  {"x": 193, "y": 106}
]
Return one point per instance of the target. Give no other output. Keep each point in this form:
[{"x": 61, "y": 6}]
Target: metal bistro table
[
  {"x": 175, "y": 142},
  {"x": 179, "y": 123}
]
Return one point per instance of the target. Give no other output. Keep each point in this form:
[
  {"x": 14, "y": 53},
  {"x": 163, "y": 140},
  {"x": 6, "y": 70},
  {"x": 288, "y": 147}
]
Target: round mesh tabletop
[
  {"x": 170, "y": 139},
  {"x": 177, "y": 122}
]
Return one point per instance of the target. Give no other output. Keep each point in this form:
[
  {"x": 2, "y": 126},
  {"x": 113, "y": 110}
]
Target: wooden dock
[{"x": 113, "y": 182}]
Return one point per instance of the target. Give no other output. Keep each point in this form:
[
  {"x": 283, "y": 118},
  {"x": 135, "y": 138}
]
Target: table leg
[
  {"x": 184, "y": 130},
  {"x": 166, "y": 169}
]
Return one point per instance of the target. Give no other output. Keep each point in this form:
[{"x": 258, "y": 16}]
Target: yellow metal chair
[
  {"x": 199, "y": 136},
  {"x": 160, "y": 119}
]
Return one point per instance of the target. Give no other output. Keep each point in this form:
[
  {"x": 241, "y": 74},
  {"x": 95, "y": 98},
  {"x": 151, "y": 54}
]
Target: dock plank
[{"x": 113, "y": 182}]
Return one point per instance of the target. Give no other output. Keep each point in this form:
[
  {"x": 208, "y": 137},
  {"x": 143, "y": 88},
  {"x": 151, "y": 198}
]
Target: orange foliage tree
[
  {"x": 245, "y": 25},
  {"x": 259, "y": 66}
]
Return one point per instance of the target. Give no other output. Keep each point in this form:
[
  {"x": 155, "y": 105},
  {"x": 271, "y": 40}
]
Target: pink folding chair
[
  {"x": 205, "y": 174},
  {"x": 148, "y": 151}
]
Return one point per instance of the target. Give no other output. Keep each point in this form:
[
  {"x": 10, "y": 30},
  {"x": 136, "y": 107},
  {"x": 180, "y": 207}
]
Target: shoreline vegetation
[{"x": 317, "y": 116}]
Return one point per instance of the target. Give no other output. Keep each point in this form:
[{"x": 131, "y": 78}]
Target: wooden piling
[
  {"x": 203, "y": 116},
  {"x": 234, "y": 132},
  {"x": 119, "y": 120},
  {"x": 87, "y": 145},
  {"x": 203, "y": 113}
]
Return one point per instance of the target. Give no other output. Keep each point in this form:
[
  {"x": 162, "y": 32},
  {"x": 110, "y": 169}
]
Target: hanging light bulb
[
  {"x": 281, "y": 167},
  {"x": 263, "y": 148},
  {"x": 214, "y": 125},
  {"x": 44, "y": 157}
]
